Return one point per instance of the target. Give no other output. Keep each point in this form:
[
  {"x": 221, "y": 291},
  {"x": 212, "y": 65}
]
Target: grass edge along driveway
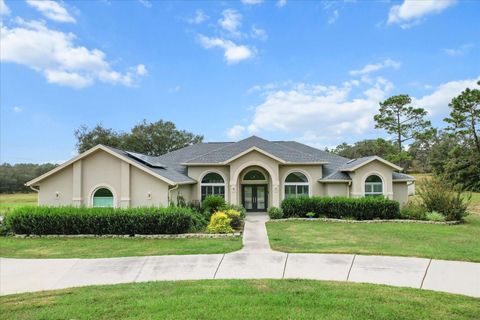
[
  {"x": 239, "y": 299},
  {"x": 456, "y": 242}
]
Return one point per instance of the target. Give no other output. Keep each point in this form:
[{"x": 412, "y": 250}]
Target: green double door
[{"x": 254, "y": 197}]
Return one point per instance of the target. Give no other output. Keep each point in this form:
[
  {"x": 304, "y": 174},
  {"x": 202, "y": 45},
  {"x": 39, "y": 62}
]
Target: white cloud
[
  {"x": 251, "y": 2},
  {"x": 199, "y": 17},
  {"x": 258, "y": 33},
  {"x": 281, "y": 3},
  {"x": 235, "y": 132},
  {"x": 4, "y": 9},
  {"x": 233, "y": 53},
  {"x": 437, "y": 102},
  {"x": 328, "y": 113},
  {"x": 17, "y": 109},
  {"x": 460, "y": 51},
  {"x": 333, "y": 17},
  {"x": 54, "y": 54},
  {"x": 141, "y": 70},
  {"x": 410, "y": 12},
  {"x": 231, "y": 20},
  {"x": 52, "y": 10},
  {"x": 146, "y": 3},
  {"x": 369, "y": 68}
]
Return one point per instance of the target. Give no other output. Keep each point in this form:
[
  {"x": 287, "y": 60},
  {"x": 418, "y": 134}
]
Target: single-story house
[{"x": 253, "y": 172}]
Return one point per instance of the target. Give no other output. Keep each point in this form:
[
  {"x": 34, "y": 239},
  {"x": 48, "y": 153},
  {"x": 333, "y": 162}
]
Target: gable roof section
[
  {"x": 167, "y": 175},
  {"x": 397, "y": 176},
  {"x": 230, "y": 152},
  {"x": 354, "y": 164}
]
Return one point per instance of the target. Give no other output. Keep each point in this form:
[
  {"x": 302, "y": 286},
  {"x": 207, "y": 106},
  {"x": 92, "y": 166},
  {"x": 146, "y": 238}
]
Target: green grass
[
  {"x": 240, "y": 299},
  {"x": 11, "y": 247},
  {"x": 11, "y": 201},
  {"x": 457, "y": 242}
]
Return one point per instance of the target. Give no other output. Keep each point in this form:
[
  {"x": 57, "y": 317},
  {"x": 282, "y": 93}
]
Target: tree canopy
[
  {"x": 13, "y": 177},
  {"x": 150, "y": 138}
]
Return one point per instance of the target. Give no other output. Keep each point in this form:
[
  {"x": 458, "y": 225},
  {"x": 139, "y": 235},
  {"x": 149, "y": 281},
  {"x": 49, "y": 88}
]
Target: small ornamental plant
[
  {"x": 220, "y": 223},
  {"x": 310, "y": 215},
  {"x": 236, "y": 218}
]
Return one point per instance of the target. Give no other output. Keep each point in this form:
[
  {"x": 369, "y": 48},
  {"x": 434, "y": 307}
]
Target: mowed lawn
[
  {"x": 11, "y": 247},
  {"x": 240, "y": 299}
]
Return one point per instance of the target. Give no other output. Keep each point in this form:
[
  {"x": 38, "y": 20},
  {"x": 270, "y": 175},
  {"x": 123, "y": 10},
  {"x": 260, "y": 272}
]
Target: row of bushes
[
  {"x": 72, "y": 220},
  {"x": 340, "y": 208}
]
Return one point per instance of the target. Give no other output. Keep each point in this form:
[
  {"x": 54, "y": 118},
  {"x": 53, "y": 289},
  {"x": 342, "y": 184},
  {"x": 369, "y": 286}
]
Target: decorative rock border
[
  {"x": 136, "y": 236},
  {"x": 369, "y": 221}
]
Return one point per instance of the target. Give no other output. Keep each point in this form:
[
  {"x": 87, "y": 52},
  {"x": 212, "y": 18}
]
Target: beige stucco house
[{"x": 254, "y": 172}]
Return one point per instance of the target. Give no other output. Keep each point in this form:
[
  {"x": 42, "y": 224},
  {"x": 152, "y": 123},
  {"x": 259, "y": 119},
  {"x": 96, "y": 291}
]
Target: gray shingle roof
[
  {"x": 402, "y": 176},
  {"x": 171, "y": 165},
  {"x": 276, "y": 149}
]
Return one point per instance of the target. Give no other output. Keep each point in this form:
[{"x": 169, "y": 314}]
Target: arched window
[
  {"x": 103, "y": 197},
  {"x": 254, "y": 175},
  {"x": 212, "y": 184},
  {"x": 296, "y": 185},
  {"x": 373, "y": 186}
]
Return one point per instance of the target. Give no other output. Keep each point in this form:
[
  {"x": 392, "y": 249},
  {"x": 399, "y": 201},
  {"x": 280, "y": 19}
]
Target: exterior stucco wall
[
  {"x": 146, "y": 190},
  {"x": 374, "y": 167},
  {"x": 400, "y": 192},
  {"x": 337, "y": 190},
  {"x": 61, "y": 182},
  {"x": 313, "y": 173},
  {"x": 184, "y": 190}
]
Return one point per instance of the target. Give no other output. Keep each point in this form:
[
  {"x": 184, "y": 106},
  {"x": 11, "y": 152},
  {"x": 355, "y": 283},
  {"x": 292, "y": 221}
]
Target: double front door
[{"x": 254, "y": 197}]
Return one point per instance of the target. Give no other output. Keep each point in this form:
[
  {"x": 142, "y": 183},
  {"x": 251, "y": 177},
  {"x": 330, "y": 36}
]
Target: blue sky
[{"x": 308, "y": 71}]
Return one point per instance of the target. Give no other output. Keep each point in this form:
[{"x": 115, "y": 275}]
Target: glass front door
[{"x": 254, "y": 197}]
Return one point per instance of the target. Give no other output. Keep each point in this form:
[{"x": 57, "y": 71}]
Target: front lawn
[
  {"x": 11, "y": 247},
  {"x": 240, "y": 299},
  {"x": 457, "y": 242},
  {"x": 11, "y": 201}
]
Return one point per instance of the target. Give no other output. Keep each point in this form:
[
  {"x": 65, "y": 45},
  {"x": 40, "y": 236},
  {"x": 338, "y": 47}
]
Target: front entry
[{"x": 254, "y": 197}]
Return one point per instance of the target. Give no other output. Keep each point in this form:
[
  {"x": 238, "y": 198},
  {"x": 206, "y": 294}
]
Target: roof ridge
[
  {"x": 287, "y": 147},
  {"x": 214, "y": 150}
]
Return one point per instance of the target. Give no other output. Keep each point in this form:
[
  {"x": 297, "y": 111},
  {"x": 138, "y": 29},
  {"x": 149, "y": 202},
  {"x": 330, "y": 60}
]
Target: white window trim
[
  {"x": 296, "y": 183},
  {"x": 364, "y": 182},
  {"x": 213, "y": 184},
  {"x": 103, "y": 186}
]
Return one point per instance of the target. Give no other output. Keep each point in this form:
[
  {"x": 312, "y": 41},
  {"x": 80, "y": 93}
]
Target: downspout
[
  {"x": 175, "y": 187},
  {"x": 348, "y": 189},
  {"x": 37, "y": 191}
]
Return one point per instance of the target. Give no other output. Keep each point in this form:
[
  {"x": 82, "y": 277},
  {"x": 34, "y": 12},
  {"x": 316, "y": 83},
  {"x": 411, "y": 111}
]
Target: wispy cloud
[
  {"x": 235, "y": 132},
  {"x": 373, "y": 67},
  {"x": 251, "y": 2},
  {"x": 55, "y": 55},
  {"x": 460, "y": 51},
  {"x": 410, "y": 12},
  {"x": 199, "y": 17},
  {"x": 17, "y": 109},
  {"x": 233, "y": 53},
  {"x": 4, "y": 9},
  {"x": 146, "y": 3},
  {"x": 52, "y": 10},
  {"x": 231, "y": 20},
  {"x": 281, "y": 3},
  {"x": 258, "y": 33}
]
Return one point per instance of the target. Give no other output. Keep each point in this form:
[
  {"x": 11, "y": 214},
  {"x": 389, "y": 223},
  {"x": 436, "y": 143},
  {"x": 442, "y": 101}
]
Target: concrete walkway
[{"x": 256, "y": 260}]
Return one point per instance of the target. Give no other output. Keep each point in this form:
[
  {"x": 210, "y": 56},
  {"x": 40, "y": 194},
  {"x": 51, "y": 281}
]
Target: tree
[
  {"x": 399, "y": 118},
  {"x": 13, "y": 177},
  {"x": 153, "y": 139},
  {"x": 364, "y": 148},
  {"x": 465, "y": 117}
]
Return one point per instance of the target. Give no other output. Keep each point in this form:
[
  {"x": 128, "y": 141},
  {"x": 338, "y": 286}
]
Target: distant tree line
[
  {"x": 13, "y": 177},
  {"x": 453, "y": 153}
]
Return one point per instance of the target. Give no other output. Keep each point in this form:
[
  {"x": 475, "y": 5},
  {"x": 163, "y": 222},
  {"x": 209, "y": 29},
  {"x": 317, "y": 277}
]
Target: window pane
[
  {"x": 368, "y": 188},
  {"x": 103, "y": 201},
  {"x": 212, "y": 177},
  {"x": 302, "y": 191},
  {"x": 290, "y": 191},
  {"x": 254, "y": 175},
  {"x": 377, "y": 188},
  {"x": 296, "y": 177},
  {"x": 373, "y": 178}
]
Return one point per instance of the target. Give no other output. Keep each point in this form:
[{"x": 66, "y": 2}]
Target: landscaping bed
[{"x": 239, "y": 299}]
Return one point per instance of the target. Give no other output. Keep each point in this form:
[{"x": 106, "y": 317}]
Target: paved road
[{"x": 255, "y": 260}]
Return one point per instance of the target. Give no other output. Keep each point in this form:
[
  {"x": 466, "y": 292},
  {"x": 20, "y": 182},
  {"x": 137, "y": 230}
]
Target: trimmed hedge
[
  {"x": 368, "y": 208},
  {"x": 71, "y": 220}
]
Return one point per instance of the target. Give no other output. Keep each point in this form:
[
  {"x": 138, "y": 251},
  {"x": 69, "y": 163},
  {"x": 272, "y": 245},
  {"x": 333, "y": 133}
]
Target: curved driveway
[{"x": 255, "y": 260}]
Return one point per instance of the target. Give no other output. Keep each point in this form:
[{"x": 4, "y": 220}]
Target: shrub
[
  {"x": 311, "y": 214},
  {"x": 435, "y": 216},
  {"x": 436, "y": 195},
  {"x": 342, "y": 208},
  {"x": 275, "y": 213},
  {"x": 236, "y": 218},
  {"x": 413, "y": 211},
  {"x": 213, "y": 204},
  {"x": 219, "y": 223},
  {"x": 238, "y": 208},
  {"x": 72, "y": 220}
]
